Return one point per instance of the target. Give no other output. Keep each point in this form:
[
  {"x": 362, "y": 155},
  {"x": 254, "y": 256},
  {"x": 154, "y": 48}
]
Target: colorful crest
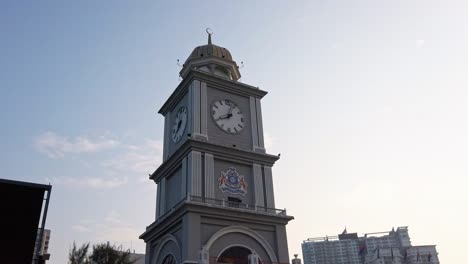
[{"x": 230, "y": 181}]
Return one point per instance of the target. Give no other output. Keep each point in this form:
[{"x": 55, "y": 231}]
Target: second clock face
[
  {"x": 179, "y": 124},
  {"x": 227, "y": 115}
]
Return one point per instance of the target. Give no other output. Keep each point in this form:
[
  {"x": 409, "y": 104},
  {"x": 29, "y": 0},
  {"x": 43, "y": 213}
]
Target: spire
[{"x": 210, "y": 32}]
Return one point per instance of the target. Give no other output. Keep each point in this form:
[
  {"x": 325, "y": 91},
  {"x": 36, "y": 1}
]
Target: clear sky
[{"x": 367, "y": 104}]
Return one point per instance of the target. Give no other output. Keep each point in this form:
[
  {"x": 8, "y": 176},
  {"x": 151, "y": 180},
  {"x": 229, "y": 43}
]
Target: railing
[
  {"x": 219, "y": 203},
  {"x": 231, "y": 204}
]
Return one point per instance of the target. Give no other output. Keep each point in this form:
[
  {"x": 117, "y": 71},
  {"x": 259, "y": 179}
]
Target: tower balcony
[
  {"x": 223, "y": 204},
  {"x": 234, "y": 205}
]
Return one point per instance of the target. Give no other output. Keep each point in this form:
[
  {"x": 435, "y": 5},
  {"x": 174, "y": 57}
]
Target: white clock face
[
  {"x": 180, "y": 122},
  {"x": 227, "y": 115}
]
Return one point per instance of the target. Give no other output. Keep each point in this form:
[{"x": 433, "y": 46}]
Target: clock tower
[{"x": 215, "y": 199}]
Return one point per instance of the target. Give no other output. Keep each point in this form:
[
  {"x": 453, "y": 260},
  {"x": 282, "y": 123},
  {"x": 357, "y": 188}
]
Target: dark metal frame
[{"x": 48, "y": 189}]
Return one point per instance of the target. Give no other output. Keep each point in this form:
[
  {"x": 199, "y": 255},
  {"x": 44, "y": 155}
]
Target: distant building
[
  {"x": 44, "y": 247},
  {"x": 422, "y": 255},
  {"x": 372, "y": 248},
  {"x": 43, "y": 253}
]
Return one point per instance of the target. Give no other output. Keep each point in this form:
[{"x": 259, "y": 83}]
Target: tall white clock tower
[{"x": 215, "y": 199}]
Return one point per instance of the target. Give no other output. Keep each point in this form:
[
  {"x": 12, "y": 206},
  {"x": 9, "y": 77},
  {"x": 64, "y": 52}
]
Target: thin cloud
[
  {"x": 110, "y": 228},
  {"x": 90, "y": 182},
  {"x": 115, "y": 229},
  {"x": 80, "y": 228},
  {"x": 420, "y": 43},
  {"x": 138, "y": 159},
  {"x": 56, "y": 146}
]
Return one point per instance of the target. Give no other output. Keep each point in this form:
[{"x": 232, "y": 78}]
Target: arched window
[
  {"x": 235, "y": 255},
  {"x": 169, "y": 259}
]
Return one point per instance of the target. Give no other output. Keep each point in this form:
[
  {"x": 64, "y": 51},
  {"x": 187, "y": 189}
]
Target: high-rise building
[
  {"x": 422, "y": 255},
  {"x": 215, "y": 200},
  {"x": 372, "y": 248},
  {"x": 44, "y": 247}
]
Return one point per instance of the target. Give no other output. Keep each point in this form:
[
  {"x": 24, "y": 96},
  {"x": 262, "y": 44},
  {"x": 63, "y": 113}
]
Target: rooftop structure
[{"x": 372, "y": 248}]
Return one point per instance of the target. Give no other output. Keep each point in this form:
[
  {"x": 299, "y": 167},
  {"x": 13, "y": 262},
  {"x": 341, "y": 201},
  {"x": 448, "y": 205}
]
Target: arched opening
[
  {"x": 235, "y": 255},
  {"x": 169, "y": 259}
]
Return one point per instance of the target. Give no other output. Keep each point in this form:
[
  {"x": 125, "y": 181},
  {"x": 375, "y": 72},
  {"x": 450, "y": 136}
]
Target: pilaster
[
  {"x": 257, "y": 125},
  {"x": 194, "y": 174},
  {"x": 191, "y": 238},
  {"x": 167, "y": 135},
  {"x": 199, "y": 110},
  {"x": 183, "y": 185},
  {"x": 253, "y": 122},
  {"x": 282, "y": 244},
  {"x": 258, "y": 107},
  {"x": 158, "y": 201},
  {"x": 203, "y": 110},
  {"x": 162, "y": 197},
  {"x": 195, "y": 99},
  {"x": 209, "y": 176},
  {"x": 258, "y": 185},
  {"x": 268, "y": 179}
]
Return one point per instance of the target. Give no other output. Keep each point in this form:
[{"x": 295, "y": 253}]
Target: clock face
[
  {"x": 180, "y": 122},
  {"x": 227, "y": 115}
]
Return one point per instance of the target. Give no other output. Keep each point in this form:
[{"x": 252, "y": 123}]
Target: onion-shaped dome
[
  {"x": 210, "y": 50},
  {"x": 213, "y": 59}
]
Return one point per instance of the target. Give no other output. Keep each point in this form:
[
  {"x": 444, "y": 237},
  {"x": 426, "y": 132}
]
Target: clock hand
[
  {"x": 222, "y": 117},
  {"x": 230, "y": 111}
]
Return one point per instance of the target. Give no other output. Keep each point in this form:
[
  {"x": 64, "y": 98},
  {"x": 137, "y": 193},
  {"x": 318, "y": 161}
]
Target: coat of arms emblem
[{"x": 230, "y": 181}]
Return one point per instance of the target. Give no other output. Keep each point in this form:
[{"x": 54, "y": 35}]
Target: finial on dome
[{"x": 210, "y": 32}]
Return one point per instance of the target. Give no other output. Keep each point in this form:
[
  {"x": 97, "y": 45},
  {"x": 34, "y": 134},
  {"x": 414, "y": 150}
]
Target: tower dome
[
  {"x": 213, "y": 59},
  {"x": 210, "y": 50}
]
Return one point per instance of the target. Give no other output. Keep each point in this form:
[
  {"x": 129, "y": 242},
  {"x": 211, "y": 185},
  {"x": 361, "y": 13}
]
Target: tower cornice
[
  {"x": 211, "y": 80},
  {"x": 221, "y": 152}
]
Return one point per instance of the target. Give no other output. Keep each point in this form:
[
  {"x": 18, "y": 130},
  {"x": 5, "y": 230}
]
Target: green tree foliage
[
  {"x": 102, "y": 254},
  {"x": 79, "y": 255},
  {"x": 106, "y": 254}
]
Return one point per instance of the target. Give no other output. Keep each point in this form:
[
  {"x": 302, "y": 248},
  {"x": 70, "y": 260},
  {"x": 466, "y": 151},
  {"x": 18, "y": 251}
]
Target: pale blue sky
[{"x": 367, "y": 104}]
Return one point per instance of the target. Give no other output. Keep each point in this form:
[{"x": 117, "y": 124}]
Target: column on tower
[
  {"x": 269, "y": 195},
  {"x": 158, "y": 199},
  {"x": 209, "y": 176},
  {"x": 194, "y": 175},
  {"x": 258, "y": 107},
  {"x": 183, "y": 185},
  {"x": 257, "y": 125},
  {"x": 162, "y": 196},
  {"x": 198, "y": 99},
  {"x": 258, "y": 185},
  {"x": 167, "y": 132},
  {"x": 203, "y": 110}
]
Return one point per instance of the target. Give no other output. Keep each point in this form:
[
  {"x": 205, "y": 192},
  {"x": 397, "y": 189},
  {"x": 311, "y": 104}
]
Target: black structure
[{"x": 21, "y": 207}]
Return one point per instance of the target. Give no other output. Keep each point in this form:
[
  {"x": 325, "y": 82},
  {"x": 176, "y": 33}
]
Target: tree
[
  {"x": 106, "y": 254},
  {"x": 102, "y": 254},
  {"x": 79, "y": 255}
]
